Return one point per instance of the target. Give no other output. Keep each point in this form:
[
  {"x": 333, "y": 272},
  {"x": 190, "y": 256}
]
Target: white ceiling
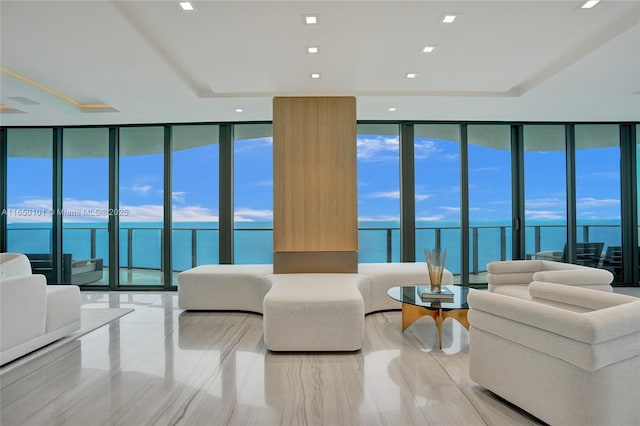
[{"x": 153, "y": 63}]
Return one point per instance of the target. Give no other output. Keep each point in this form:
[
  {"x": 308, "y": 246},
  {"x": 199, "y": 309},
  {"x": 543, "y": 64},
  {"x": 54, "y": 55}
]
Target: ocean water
[{"x": 196, "y": 243}]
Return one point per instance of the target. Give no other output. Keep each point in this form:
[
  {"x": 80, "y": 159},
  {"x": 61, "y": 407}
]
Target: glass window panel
[
  {"x": 85, "y": 189},
  {"x": 253, "y": 193},
  {"x": 437, "y": 191},
  {"x": 29, "y": 195},
  {"x": 545, "y": 191},
  {"x": 141, "y": 197},
  {"x": 598, "y": 196},
  {"x": 490, "y": 215},
  {"x": 378, "y": 163},
  {"x": 195, "y": 187}
]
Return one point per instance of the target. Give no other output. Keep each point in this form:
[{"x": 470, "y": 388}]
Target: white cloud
[
  {"x": 394, "y": 195},
  {"x": 451, "y": 209},
  {"x": 545, "y": 202},
  {"x": 543, "y": 214},
  {"x": 140, "y": 189},
  {"x": 485, "y": 169},
  {"x": 193, "y": 214},
  {"x": 178, "y": 197},
  {"x": 596, "y": 202},
  {"x": 381, "y": 218},
  {"x": 430, "y": 218},
  {"x": 425, "y": 149},
  {"x": 378, "y": 149},
  {"x": 245, "y": 214},
  {"x": 422, "y": 197},
  {"x": 251, "y": 144}
]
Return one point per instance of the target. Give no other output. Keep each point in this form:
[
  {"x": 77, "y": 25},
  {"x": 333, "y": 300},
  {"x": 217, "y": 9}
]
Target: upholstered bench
[
  {"x": 314, "y": 312},
  {"x": 300, "y": 311}
]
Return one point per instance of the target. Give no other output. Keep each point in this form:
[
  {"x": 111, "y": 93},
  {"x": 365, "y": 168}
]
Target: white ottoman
[
  {"x": 223, "y": 287},
  {"x": 314, "y": 312}
]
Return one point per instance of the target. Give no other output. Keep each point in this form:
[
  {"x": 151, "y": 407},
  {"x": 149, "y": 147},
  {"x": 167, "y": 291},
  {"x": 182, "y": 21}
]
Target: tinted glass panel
[
  {"x": 85, "y": 189},
  {"x": 437, "y": 191},
  {"x": 195, "y": 158},
  {"x": 378, "y": 153}
]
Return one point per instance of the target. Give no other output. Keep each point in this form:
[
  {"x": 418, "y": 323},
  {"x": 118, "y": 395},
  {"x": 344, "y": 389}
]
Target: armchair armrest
[
  {"x": 23, "y": 309},
  {"x": 576, "y": 296},
  {"x": 576, "y": 277}
]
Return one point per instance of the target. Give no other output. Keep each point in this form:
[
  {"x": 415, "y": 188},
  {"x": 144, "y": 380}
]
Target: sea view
[{"x": 379, "y": 241}]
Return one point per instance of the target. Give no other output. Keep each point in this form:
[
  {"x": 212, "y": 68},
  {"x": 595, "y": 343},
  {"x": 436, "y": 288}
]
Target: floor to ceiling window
[
  {"x": 253, "y": 193},
  {"x": 598, "y": 213},
  {"x": 29, "y": 191},
  {"x": 545, "y": 191},
  {"x": 490, "y": 214},
  {"x": 194, "y": 197},
  {"x": 437, "y": 191},
  {"x": 142, "y": 205},
  {"x": 85, "y": 188},
  {"x": 378, "y": 152}
]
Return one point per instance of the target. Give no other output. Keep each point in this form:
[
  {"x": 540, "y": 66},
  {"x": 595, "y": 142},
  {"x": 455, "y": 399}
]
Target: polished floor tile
[{"x": 161, "y": 365}]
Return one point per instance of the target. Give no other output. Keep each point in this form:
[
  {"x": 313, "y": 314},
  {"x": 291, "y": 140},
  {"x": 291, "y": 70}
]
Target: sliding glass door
[
  {"x": 29, "y": 196},
  {"x": 85, "y": 215},
  {"x": 545, "y": 191}
]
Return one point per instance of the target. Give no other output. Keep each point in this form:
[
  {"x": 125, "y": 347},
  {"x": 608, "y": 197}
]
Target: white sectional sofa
[
  {"x": 32, "y": 314},
  {"x": 302, "y": 312},
  {"x": 512, "y": 277},
  {"x": 568, "y": 355}
]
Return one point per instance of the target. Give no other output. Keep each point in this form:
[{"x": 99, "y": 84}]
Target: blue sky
[{"x": 437, "y": 179}]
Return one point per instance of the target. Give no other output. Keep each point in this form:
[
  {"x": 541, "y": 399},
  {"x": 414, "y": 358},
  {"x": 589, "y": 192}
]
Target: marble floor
[{"x": 161, "y": 365}]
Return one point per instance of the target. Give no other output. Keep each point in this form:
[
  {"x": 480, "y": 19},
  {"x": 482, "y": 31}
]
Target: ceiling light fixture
[
  {"x": 313, "y": 49},
  {"x": 448, "y": 19},
  {"x": 589, "y": 4},
  {"x": 239, "y": 110},
  {"x": 392, "y": 109},
  {"x": 315, "y": 75},
  {"x": 311, "y": 19},
  {"x": 411, "y": 75},
  {"x": 186, "y": 5},
  {"x": 428, "y": 49}
]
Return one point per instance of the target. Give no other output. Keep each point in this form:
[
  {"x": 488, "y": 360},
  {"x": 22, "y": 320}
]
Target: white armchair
[
  {"x": 569, "y": 356},
  {"x": 32, "y": 314}
]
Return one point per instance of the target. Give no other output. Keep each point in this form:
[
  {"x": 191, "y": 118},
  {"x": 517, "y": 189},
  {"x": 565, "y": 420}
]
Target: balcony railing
[{"x": 141, "y": 247}]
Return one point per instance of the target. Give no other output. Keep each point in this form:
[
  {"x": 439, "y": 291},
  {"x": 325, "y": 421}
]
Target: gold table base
[{"x": 411, "y": 313}]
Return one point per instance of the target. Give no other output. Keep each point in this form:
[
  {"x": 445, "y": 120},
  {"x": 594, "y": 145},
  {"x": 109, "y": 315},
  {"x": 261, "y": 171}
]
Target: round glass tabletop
[{"x": 412, "y": 295}]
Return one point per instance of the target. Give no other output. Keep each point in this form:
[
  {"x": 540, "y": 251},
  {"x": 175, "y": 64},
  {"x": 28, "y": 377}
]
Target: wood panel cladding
[{"x": 315, "y": 179}]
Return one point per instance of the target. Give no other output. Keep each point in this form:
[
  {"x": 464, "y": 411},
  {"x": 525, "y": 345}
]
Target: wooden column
[{"x": 315, "y": 216}]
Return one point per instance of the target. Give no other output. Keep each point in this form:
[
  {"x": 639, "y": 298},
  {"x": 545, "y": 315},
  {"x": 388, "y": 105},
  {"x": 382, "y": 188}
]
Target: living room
[{"x": 160, "y": 161}]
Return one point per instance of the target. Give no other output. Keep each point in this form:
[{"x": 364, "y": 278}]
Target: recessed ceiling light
[
  {"x": 315, "y": 75},
  {"x": 239, "y": 110},
  {"x": 392, "y": 109},
  {"x": 589, "y": 4},
  {"x": 428, "y": 49},
  {"x": 448, "y": 19},
  {"x": 411, "y": 75},
  {"x": 311, "y": 19},
  {"x": 186, "y": 5},
  {"x": 313, "y": 49}
]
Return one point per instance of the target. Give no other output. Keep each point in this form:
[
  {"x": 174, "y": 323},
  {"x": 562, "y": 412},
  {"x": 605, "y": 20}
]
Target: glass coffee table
[{"x": 413, "y": 307}]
